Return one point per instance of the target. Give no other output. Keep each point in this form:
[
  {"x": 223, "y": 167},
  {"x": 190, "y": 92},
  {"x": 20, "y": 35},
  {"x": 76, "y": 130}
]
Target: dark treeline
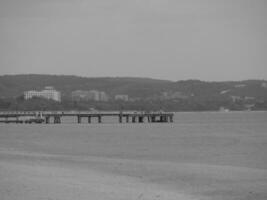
[{"x": 192, "y": 104}]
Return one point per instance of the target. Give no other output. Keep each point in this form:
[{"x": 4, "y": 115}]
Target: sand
[{"x": 43, "y": 180}]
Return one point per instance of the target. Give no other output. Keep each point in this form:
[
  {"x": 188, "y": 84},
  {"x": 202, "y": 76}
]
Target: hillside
[
  {"x": 13, "y": 85},
  {"x": 144, "y": 92}
]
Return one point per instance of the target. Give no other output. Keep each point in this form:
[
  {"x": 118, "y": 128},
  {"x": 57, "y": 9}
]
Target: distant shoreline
[{"x": 108, "y": 111}]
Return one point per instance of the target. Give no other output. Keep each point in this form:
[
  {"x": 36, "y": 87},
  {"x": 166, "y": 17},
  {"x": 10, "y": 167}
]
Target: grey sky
[{"x": 167, "y": 39}]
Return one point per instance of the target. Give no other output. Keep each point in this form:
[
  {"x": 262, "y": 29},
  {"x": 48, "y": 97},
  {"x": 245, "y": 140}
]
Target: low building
[
  {"x": 122, "y": 97},
  {"x": 240, "y": 85},
  {"x": 173, "y": 95},
  {"x": 79, "y": 95},
  {"x": 249, "y": 98},
  {"x": 48, "y": 93},
  {"x": 94, "y": 95},
  {"x": 235, "y": 98},
  {"x": 225, "y": 91},
  {"x": 103, "y": 96}
]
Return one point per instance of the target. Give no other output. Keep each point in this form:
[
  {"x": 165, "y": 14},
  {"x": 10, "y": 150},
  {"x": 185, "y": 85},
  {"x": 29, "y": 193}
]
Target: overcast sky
[{"x": 167, "y": 39}]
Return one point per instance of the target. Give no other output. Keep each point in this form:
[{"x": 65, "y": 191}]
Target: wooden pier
[{"x": 56, "y": 116}]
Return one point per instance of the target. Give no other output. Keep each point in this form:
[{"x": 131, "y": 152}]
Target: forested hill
[
  {"x": 180, "y": 95},
  {"x": 13, "y": 85}
]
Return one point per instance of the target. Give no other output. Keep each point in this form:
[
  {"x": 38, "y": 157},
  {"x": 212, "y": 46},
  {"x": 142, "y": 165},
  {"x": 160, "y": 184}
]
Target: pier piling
[
  {"x": 47, "y": 119},
  {"x": 99, "y": 119},
  {"x": 79, "y": 119},
  {"x": 57, "y": 119}
]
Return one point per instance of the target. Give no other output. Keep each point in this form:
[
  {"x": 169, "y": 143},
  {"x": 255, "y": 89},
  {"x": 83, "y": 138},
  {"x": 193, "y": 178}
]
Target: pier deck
[{"x": 127, "y": 117}]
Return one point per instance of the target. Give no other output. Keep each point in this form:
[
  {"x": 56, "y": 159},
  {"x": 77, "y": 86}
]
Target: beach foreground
[{"x": 216, "y": 157}]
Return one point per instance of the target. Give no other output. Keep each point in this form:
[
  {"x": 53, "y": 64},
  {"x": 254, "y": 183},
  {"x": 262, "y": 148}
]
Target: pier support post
[
  {"x": 79, "y": 119},
  {"x": 140, "y": 119},
  {"x": 133, "y": 119},
  {"x": 127, "y": 118},
  {"x": 57, "y": 119},
  {"x": 17, "y": 119},
  {"x": 120, "y": 118},
  {"x": 171, "y": 118},
  {"x": 99, "y": 119},
  {"x": 163, "y": 118},
  {"x": 89, "y": 119},
  {"x": 148, "y": 119},
  {"x": 47, "y": 119}
]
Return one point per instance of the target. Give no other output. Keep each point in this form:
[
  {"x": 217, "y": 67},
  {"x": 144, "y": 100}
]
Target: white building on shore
[
  {"x": 121, "y": 97},
  {"x": 48, "y": 93}
]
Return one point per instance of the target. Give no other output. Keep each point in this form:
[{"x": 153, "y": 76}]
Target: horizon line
[{"x": 138, "y": 77}]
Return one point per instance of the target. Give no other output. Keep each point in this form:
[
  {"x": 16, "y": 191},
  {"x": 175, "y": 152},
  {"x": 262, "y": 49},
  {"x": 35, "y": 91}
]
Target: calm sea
[{"x": 212, "y": 155}]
